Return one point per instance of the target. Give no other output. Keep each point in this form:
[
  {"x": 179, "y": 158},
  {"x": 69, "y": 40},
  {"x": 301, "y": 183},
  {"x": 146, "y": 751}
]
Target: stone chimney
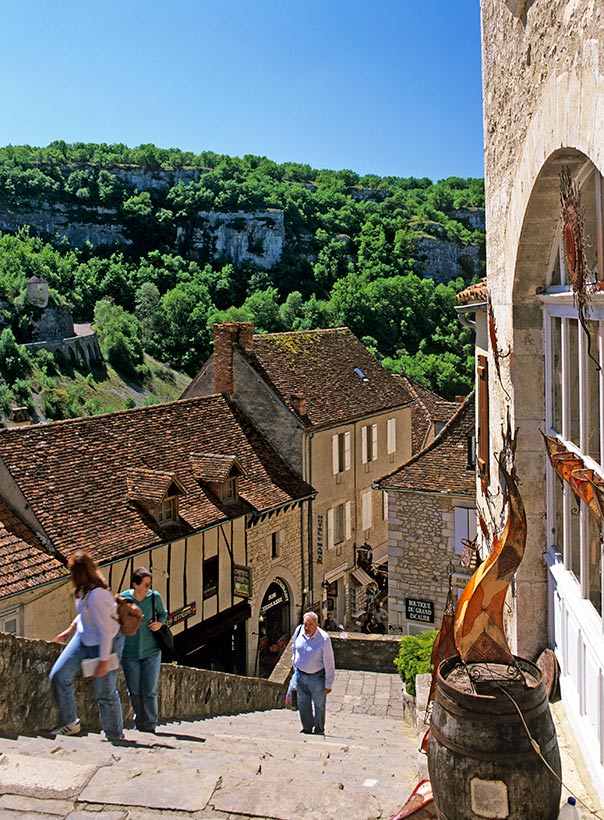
[
  {"x": 298, "y": 402},
  {"x": 227, "y": 336}
]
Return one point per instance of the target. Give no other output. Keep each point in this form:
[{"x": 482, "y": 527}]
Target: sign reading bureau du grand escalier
[{"x": 418, "y": 609}]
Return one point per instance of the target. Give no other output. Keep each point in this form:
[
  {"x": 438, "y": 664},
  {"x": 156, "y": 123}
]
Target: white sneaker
[{"x": 72, "y": 728}]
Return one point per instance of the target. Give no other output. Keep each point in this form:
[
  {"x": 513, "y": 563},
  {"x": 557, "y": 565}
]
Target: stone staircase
[{"x": 254, "y": 765}]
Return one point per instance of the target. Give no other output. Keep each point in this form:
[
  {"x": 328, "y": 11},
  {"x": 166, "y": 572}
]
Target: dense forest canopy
[{"x": 349, "y": 255}]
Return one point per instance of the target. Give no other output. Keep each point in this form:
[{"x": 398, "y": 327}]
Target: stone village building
[
  {"x": 341, "y": 421},
  {"x": 431, "y": 523},
  {"x": 543, "y": 90},
  {"x": 188, "y": 489}
]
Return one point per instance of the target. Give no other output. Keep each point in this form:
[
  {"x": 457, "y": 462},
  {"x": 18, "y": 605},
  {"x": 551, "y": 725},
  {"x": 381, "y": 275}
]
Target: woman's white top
[{"x": 97, "y": 621}]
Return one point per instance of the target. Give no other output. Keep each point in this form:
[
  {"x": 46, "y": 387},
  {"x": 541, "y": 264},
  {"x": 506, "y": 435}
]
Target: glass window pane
[
  {"x": 556, "y": 374},
  {"x": 595, "y": 564},
  {"x": 593, "y": 391},
  {"x": 573, "y": 381},
  {"x": 558, "y": 534},
  {"x": 575, "y": 537}
]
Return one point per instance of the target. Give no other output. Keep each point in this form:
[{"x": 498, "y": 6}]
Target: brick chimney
[
  {"x": 227, "y": 335},
  {"x": 298, "y": 402}
]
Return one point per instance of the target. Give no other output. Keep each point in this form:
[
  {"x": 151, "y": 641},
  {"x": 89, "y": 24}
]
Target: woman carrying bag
[
  {"x": 141, "y": 659},
  {"x": 94, "y": 633}
]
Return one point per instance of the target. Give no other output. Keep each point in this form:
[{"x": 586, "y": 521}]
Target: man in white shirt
[{"x": 313, "y": 661}]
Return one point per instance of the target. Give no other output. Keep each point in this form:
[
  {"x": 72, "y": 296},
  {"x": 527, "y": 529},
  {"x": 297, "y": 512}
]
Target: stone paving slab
[
  {"x": 160, "y": 786},
  {"x": 24, "y": 774},
  {"x": 34, "y": 805},
  {"x": 307, "y": 800}
]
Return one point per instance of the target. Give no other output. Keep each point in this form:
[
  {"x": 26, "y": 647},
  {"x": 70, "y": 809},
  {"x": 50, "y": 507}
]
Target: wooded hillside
[{"x": 155, "y": 245}]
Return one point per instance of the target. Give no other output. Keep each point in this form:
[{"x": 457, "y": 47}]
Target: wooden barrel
[{"x": 480, "y": 758}]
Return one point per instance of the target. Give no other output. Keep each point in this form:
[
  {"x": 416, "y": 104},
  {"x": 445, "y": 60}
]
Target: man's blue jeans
[
  {"x": 141, "y": 679},
  {"x": 311, "y": 692},
  {"x": 68, "y": 665}
]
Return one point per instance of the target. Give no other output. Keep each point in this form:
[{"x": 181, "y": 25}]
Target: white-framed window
[
  {"x": 277, "y": 539},
  {"x": 369, "y": 443},
  {"x": 574, "y": 396},
  {"x": 9, "y": 621},
  {"x": 229, "y": 490},
  {"x": 465, "y": 527},
  {"x": 340, "y": 452},
  {"x": 338, "y": 524},
  {"x": 366, "y": 510},
  {"x": 391, "y": 435},
  {"x": 167, "y": 510}
]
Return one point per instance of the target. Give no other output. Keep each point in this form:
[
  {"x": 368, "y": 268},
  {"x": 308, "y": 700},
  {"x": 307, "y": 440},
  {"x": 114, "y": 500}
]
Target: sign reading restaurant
[{"x": 419, "y": 610}]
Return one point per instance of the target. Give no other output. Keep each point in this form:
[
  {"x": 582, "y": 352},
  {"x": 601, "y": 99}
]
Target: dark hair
[
  {"x": 138, "y": 575},
  {"x": 85, "y": 575}
]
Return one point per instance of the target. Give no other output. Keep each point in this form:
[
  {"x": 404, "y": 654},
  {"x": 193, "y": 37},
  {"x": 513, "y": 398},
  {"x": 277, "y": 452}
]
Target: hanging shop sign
[
  {"x": 419, "y": 610},
  {"x": 242, "y": 581},
  {"x": 276, "y": 595},
  {"x": 182, "y": 614},
  {"x": 319, "y": 539}
]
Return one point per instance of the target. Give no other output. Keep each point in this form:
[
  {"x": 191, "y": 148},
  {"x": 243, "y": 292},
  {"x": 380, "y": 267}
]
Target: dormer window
[
  {"x": 219, "y": 473},
  {"x": 167, "y": 511},
  {"x": 157, "y": 493},
  {"x": 230, "y": 489}
]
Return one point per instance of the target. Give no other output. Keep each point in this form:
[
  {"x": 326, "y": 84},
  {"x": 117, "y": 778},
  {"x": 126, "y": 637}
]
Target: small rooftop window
[{"x": 360, "y": 374}]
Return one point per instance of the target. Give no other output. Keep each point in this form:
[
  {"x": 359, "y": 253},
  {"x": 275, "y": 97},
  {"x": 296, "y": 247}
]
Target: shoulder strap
[{"x": 153, "y": 618}]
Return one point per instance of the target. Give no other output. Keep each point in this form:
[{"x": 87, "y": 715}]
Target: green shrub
[
  {"x": 129, "y": 404},
  {"x": 414, "y": 657}
]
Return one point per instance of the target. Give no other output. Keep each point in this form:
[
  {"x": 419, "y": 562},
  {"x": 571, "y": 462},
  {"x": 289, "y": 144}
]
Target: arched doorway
[{"x": 273, "y": 627}]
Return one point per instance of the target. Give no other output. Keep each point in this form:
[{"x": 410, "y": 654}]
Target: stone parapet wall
[{"x": 27, "y": 704}]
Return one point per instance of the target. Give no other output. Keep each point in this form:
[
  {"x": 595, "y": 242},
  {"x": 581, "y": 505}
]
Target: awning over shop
[{"x": 362, "y": 577}]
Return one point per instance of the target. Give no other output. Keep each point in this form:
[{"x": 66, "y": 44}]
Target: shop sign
[
  {"x": 242, "y": 581},
  {"x": 319, "y": 539},
  {"x": 419, "y": 610},
  {"x": 276, "y": 595},
  {"x": 182, "y": 614}
]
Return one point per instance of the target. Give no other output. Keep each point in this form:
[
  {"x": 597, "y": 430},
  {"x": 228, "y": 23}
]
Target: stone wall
[
  {"x": 421, "y": 542},
  {"x": 256, "y": 237},
  {"x": 27, "y": 704}
]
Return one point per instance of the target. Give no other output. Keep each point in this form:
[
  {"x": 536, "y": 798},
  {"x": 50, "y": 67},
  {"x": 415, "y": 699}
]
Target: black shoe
[
  {"x": 317, "y": 732},
  {"x": 306, "y": 731}
]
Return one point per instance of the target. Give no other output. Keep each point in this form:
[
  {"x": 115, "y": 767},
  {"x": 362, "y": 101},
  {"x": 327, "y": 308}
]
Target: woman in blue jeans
[
  {"x": 141, "y": 658},
  {"x": 93, "y": 633}
]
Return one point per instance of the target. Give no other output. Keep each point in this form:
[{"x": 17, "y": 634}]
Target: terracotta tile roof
[
  {"x": 335, "y": 373},
  {"x": 428, "y": 409},
  {"x": 442, "y": 467},
  {"x": 23, "y": 562},
  {"x": 473, "y": 294},
  {"x": 215, "y": 468},
  {"x": 152, "y": 486},
  {"x": 74, "y": 474}
]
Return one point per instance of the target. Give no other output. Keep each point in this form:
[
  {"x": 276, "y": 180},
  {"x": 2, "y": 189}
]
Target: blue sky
[{"x": 390, "y": 87}]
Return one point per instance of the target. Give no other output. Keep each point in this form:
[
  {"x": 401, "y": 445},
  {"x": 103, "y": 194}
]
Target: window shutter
[
  {"x": 391, "y": 436},
  {"x": 347, "y": 521},
  {"x": 347, "y": 451},
  {"x": 385, "y": 505},
  {"x": 367, "y": 510},
  {"x": 364, "y": 457},
  {"x": 335, "y": 455},
  {"x": 472, "y": 524},
  {"x": 374, "y": 442},
  {"x": 330, "y": 529}
]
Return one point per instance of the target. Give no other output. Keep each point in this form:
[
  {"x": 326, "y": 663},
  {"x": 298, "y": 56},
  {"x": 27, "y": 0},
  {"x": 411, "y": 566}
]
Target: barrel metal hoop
[
  {"x": 476, "y": 754},
  {"x": 452, "y": 708}
]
